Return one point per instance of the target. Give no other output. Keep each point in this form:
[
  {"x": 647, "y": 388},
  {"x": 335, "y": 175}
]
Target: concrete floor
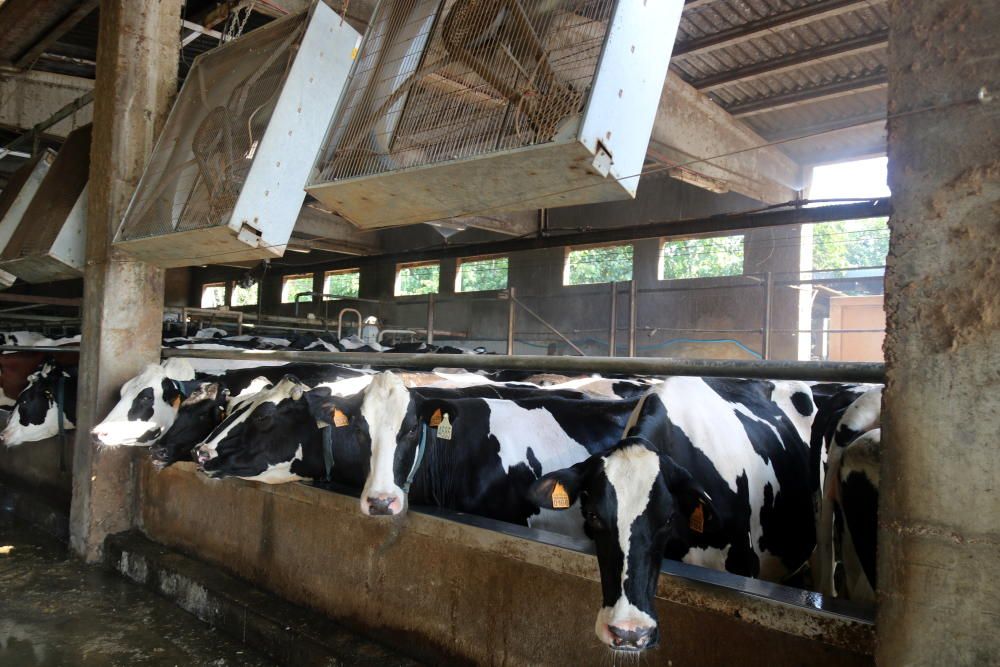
[{"x": 54, "y": 610}]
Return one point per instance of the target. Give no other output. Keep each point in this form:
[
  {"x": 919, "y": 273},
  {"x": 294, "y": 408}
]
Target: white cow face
[
  {"x": 148, "y": 405},
  {"x": 633, "y": 500}
]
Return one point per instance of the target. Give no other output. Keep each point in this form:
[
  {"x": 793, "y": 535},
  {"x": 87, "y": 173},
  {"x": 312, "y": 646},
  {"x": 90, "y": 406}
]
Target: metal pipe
[
  {"x": 766, "y": 326},
  {"x": 613, "y": 324},
  {"x": 632, "y": 311},
  {"x": 729, "y": 222},
  {"x": 548, "y": 326},
  {"x": 430, "y": 319},
  {"x": 340, "y": 321},
  {"x": 833, "y": 371},
  {"x": 511, "y": 307}
]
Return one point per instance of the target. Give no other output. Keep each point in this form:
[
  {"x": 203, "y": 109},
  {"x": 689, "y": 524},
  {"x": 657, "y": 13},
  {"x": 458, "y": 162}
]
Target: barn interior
[{"x": 735, "y": 220}]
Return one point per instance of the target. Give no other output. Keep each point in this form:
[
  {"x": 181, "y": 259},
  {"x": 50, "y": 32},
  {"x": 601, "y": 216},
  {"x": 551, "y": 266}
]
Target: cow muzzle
[
  {"x": 631, "y": 638},
  {"x": 202, "y": 455},
  {"x": 382, "y": 505}
]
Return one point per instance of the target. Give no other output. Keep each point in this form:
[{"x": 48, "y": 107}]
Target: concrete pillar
[
  {"x": 123, "y": 299},
  {"x": 939, "y": 538}
]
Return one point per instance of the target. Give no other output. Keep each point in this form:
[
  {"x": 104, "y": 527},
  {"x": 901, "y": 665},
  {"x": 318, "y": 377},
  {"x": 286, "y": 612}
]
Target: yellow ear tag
[
  {"x": 560, "y": 499},
  {"x": 176, "y": 402},
  {"x": 697, "y": 521},
  {"x": 435, "y": 418},
  {"x": 444, "y": 428},
  {"x": 339, "y": 418}
]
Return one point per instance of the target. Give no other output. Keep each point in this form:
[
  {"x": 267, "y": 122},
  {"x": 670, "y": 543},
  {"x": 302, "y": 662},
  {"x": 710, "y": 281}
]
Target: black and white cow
[
  {"x": 858, "y": 482},
  {"x": 847, "y": 523},
  {"x": 475, "y": 449},
  {"x": 272, "y": 437},
  {"x": 714, "y": 472},
  {"x": 20, "y": 338},
  {"x": 36, "y": 414},
  {"x": 147, "y": 406},
  {"x": 209, "y": 403}
]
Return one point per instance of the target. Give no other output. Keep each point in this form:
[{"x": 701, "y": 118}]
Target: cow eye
[{"x": 593, "y": 519}]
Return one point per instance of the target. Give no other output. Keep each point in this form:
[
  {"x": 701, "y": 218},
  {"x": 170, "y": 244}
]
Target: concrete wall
[
  {"x": 939, "y": 535},
  {"x": 452, "y": 591},
  {"x": 734, "y": 305},
  {"x": 44, "y": 467}
]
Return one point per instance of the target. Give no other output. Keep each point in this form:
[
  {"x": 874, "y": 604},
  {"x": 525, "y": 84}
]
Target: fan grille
[
  {"x": 439, "y": 80},
  {"x": 206, "y": 149}
]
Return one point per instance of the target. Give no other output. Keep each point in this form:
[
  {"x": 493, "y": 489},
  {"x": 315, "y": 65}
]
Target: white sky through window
[{"x": 860, "y": 178}]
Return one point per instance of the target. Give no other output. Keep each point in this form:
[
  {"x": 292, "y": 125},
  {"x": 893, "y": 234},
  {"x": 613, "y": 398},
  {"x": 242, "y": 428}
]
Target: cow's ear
[
  {"x": 692, "y": 500},
  {"x": 559, "y": 489},
  {"x": 330, "y": 409}
]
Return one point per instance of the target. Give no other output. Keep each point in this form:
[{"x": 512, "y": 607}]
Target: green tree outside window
[
  {"x": 588, "y": 266},
  {"x": 482, "y": 274}
]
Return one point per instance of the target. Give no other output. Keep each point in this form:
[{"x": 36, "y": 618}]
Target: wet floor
[{"x": 54, "y": 610}]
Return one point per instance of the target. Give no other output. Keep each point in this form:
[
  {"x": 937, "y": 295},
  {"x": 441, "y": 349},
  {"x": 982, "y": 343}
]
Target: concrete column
[
  {"x": 123, "y": 299},
  {"x": 939, "y": 537}
]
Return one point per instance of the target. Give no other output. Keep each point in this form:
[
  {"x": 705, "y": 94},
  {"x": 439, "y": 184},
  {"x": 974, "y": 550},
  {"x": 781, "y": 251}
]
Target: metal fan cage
[
  {"x": 439, "y": 80},
  {"x": 194, "y": 178}
]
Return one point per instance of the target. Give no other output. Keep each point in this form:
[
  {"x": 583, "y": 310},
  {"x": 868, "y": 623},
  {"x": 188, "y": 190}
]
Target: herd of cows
[{"x": 768, "y": 479}]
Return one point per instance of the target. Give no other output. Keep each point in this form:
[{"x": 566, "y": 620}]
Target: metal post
[
  {"x": 613, "y": 324},
  {"x": 766, "y": 332},
  {"x": 430, "y": 319},
  {"x": 511, "y": 307},
  {"x": 632, "y": 310}
]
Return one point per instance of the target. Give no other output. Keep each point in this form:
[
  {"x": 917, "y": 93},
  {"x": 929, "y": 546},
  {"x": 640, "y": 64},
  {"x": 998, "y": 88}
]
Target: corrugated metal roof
[{"x": 825, "y": 68}]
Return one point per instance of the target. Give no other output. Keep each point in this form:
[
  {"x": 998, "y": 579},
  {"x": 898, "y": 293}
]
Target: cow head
[
  {"x": 265, "y": 438},
  {"x": 148, "y": 405},
  {"x": 634, "y": 502},
  {"x": 35, "y": 415},
  {"x": 383, "y": 417},
  {"x": 197, "y": 417}
]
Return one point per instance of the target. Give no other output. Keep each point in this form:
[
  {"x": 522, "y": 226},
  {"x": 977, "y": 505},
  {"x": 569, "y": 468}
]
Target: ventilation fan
[
  {"x": 225, "y": 181},
  {"x": 49, "y": 242},
  {"x": 16, "y": 197},
  {"x": 456, "y": 107}
]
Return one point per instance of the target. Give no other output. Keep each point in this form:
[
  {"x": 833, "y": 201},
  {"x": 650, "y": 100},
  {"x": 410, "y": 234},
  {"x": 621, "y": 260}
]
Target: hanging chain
[{"x": 238, "y": 20}]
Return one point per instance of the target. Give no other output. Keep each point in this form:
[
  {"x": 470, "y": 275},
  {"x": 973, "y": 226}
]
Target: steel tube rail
[
  {"x": 511, "y": 308},
  {"x": 613, "y": 323},
  {"x": 632, "y": 310},
  {"x": 766, "y": 325},
  {"x": 827, "y": 371},
  {"x": 833, "y": 371}
]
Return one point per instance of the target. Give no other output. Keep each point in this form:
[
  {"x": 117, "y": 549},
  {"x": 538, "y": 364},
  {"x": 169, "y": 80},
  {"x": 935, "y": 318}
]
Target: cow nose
[
  {"x": 383, "y": 505},
  {"x": 630, "y": 638},
  {"x": 201, "y": 456}
]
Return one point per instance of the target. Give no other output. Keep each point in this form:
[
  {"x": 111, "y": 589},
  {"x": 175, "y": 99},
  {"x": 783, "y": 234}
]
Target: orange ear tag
[
  {"x": 560, "y": 499},
  {"x": 339, "y": 418},
  {"x": 697, "y": 521},
  {"x": 435, "y": 418}
]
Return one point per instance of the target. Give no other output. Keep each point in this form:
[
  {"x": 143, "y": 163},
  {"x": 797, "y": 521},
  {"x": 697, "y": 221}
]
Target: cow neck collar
[
  {"x": 328, "y": 450},
  {"x": 417, "y": 458},
  {"x": 639, "y": 440}
]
